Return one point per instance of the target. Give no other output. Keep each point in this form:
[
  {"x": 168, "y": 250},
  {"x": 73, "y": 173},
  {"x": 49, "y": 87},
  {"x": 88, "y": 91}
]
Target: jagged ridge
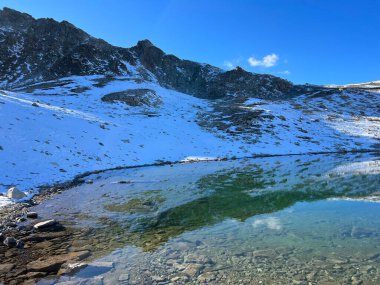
[{"x": 35, "y": 50}]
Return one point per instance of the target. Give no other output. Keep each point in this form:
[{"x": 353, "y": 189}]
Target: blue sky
[{"x": 314, "y": 41}]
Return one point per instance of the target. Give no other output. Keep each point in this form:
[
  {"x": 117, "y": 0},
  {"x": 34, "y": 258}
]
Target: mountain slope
[
  {"x": 52, "y": 133},
  {"x": 38, "y": 50}
]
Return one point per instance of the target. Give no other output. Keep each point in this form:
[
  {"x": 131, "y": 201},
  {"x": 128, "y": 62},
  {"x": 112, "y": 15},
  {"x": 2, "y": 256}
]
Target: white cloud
[
  {"x": 229, "y": 64},
  {"x": 267, "y": 61}
]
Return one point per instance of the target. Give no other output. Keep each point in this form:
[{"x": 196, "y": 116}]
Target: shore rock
[
  {"x": 45, "y": 224},
  {"x": 15, "y": 193},
  {"x": 54, "y": 263},
  {"x": 32, "y": 215},
  {"x": 6, "y": 267},
  {"x": 71, "y": 268},
  {"x": 10, "y": 242}
]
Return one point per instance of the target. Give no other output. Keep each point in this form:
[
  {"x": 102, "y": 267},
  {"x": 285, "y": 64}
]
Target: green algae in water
[{"x": 138, "y": 205}]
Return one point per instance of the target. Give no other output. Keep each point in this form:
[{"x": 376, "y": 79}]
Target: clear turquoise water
[{"x": 278, "y": 220}]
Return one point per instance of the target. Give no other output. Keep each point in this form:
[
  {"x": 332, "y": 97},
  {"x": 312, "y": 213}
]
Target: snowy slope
[
  {"x": 70, "y": 130},
  {"x": 373, "y": 86}
]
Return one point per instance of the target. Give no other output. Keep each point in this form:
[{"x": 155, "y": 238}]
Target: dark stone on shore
[
  {"x": 25, "y": 228},
  {"x": 20, "y": 219},
  {"x": 20, "y": 244},
  {"x": 11, "y": 225},
  {"x": 32, "y": 215},
  {"x": 10, "y": 242}
]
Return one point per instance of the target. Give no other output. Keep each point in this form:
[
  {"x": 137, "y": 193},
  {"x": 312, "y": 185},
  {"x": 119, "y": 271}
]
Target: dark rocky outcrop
[
  {"x": 36, "y": 50},
  {"x": 134, "y": 97}
]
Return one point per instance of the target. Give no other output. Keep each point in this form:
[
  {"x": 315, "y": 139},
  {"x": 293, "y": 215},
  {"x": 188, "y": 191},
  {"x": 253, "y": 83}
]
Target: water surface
[{"x": 276, "y": 220}]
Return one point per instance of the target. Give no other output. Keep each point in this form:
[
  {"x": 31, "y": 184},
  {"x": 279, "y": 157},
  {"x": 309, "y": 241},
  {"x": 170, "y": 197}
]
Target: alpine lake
[{"x": 312, "y": 219}]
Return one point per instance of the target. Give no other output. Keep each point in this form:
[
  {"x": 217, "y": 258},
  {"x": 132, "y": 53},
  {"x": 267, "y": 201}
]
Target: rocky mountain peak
[
  {"x": 10, "y": 18},
  {"x": 35, "y": 50},
  {"x": 239, "y": 69},
  {"x": 144, "y": 44}
]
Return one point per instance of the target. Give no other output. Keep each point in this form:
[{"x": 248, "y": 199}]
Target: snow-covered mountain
[{"x": 72, "y": 103}]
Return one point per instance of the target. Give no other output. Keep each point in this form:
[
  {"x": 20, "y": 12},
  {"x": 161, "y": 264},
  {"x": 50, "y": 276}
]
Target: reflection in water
[
  {"x": 271, "y": 223},
  {"x": 243, "y": 193},
  {"x": 254, "y": 220}
]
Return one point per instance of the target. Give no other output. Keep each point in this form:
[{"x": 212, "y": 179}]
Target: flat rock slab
[
  {"x": 54, "y": 263},
  {"x": 42, "y": 236},
  {"x": 6, "y": 267}
]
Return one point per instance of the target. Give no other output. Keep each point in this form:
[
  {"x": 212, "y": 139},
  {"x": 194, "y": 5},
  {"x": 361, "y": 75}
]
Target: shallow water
[{"x": 277, "y": 220}]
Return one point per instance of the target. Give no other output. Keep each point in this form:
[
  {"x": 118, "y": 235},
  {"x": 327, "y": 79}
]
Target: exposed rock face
[
  {"x": 35, "y": 50},
  {"x": 206, "y": 81},
  {"x": 134, "y": 97}
]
